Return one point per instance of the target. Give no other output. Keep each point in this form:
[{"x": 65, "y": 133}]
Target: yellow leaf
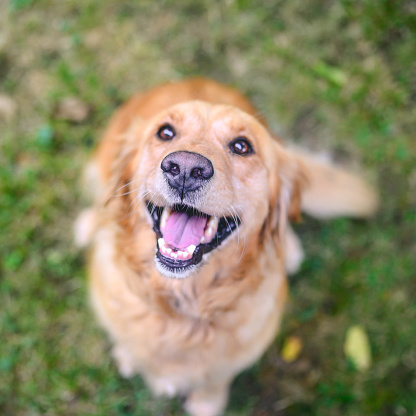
[
  {"x": 357, "y": 347},
  {"x": 291, "y": 348}
]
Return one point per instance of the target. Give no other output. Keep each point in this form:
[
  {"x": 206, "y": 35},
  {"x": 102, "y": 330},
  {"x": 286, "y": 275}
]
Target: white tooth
[
  {"x": 202, "y": 241},
  {"x": 213, "y": 223},
  {"x": 164, "y": 218},
  {"x": 174, "y": 255},
  {"x": 211, "y": 229},
  {"x": 161, "y": 242},
  {"x": 168, "y": 250},
  {"x": 185, "y": 255},
  {"x": 180, "y": 253},
  {"x": 191, "y": 249}
]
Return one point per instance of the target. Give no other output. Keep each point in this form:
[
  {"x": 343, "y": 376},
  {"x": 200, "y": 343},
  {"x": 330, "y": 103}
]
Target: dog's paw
[
  {"x": 124, "y": 361},
  {"x": 203, "y": 408},
  {"x": 162, "y": 387},
  {"x": 202, "y": 403}
]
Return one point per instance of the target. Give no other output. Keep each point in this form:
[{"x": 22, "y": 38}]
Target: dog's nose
[{"x": 186, "y": 171}]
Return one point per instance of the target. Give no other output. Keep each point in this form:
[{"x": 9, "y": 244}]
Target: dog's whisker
[
  {"x": 115, "y": 195},
  {"x": 137, "y": 199},
  {"x": 237, "y": 220},
  {"x": 229, "y": 209},
  {"x": 150, "y": 204},
  {"x": 142, "y": 195},
  {"x": 125, "y": 193},
  {"x": 229, "y": 226},
  {"x": 124, "y": 186},
  {"x": 131, "y": 210}
]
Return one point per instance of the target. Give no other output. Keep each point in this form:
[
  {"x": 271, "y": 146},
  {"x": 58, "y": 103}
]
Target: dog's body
[{"x": 190, "y": 172}]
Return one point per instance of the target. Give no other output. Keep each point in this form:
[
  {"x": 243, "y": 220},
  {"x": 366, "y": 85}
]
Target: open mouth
[{"x": 184, "y": 235}]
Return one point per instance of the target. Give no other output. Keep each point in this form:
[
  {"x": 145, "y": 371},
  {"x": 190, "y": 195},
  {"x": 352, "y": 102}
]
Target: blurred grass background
[{"x": 332, "y": 75}]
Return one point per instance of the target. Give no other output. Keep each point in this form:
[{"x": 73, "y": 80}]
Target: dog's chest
[
  {"x": 185, "y": 302},
  {"x": 226, "y": 307}
]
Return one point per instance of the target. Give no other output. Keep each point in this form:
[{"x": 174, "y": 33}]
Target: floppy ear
[
  {"x": 294, "y": 181},
  {"x": 287, "y": 184}
]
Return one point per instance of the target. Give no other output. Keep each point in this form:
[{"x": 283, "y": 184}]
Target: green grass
[{"x": 338, "y": 76}]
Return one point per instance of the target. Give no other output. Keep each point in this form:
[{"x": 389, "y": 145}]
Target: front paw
[
  {"x": 124, "y": 361},
  {"x": 210, "y": 402}
]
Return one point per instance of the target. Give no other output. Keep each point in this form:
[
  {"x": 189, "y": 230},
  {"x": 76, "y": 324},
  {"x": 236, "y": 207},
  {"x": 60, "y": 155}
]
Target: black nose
[{"x": 187, "y": 171}]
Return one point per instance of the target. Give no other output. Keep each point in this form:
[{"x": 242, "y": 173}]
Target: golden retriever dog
[{"x": 190, "y": 235}]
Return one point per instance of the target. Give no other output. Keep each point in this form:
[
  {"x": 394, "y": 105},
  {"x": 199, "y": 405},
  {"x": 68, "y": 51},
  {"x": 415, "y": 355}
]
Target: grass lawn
[{"x": 338, "y": 76}]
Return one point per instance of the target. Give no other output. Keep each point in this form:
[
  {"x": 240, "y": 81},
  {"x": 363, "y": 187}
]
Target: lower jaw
[
  {"x": 177, "y": 269},
  {"x": 180, "y": 268},
  {"x": 174, "y": 263}
]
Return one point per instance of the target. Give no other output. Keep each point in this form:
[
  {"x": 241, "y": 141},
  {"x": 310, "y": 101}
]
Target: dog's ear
[
  {"x": 125, "y": 149},
  {"x": 288, "y": 179},
  {"x": 294, "y": 182}
]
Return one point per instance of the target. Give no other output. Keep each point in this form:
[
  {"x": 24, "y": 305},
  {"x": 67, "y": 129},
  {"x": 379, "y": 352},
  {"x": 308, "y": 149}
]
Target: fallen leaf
[
  {"x": 330, "y": 73},
  {"x": 291, "y": 348},
  {"x": 357, "y": 347}
]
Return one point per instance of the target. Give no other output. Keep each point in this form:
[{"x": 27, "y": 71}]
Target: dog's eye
[
  {"x": 166, "y": 132},
  {"x": 241, "y": 146}
]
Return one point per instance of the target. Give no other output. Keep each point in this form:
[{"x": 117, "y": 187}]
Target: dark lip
[{"x": 226, "y": 227}]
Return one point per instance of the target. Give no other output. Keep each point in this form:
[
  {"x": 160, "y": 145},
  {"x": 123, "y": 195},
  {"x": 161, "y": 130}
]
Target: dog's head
[{"x": 206, "y": 175}]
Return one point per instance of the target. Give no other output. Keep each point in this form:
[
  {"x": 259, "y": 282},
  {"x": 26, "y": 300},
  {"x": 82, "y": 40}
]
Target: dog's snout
[
  {"x": 171, "y": 168},
  {"x": 186, "y": 171}
]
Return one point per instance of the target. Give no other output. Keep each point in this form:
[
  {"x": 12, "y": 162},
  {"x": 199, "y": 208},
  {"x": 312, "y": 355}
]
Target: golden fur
[{"x": 191, "y": 336}]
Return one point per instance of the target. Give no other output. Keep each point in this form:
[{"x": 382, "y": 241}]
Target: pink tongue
[{"x": 182, "y": 230}]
